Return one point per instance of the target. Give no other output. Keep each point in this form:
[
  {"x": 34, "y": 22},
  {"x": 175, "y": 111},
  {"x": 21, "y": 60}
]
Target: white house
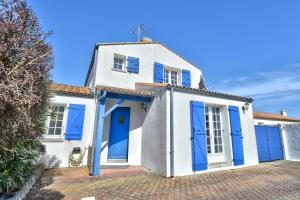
[{"x": 142, "y": 105}]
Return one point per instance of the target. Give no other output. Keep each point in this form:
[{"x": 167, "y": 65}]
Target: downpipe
[{"x": 171, "y": 132}]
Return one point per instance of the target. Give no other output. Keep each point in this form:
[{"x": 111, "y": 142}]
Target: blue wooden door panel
[
  {"x": 268, "y": 140},
  {"x": 262, "y": 143},
  {"x": 119, "y": 133},
  {"x": 199, "y": 149},
  {"x": 236, "y": 135},
  {"x": 274, "y": 141}
]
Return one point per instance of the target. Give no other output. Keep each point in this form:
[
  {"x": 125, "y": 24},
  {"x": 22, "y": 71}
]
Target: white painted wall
[
  {"x": 291, "y": 140},
  {"x": 60, "y": 147},
  {"x": 148, "y": 54},
  {"x": 270, "y": 122},
  {"x": 182, "y": 130},
  {"x": 135, "y": 133},
  {"x": 154, "y": 135}
]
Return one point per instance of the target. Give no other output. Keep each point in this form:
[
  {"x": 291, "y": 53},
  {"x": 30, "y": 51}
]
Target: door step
[
  {"x": 218, "y": 165},
  {"x": 117, "y": 161},
  {"x": 114, "y": 166}
]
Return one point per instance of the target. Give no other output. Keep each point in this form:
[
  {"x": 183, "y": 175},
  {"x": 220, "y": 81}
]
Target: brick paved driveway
[{"x": 276, "y": 180}]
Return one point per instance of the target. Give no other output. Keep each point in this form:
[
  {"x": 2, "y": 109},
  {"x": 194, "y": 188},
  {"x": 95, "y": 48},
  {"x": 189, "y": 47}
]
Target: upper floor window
[
  {"x": 56, "y": 120},
  {"x": 119, "y": 62},
  {"x": 171, "y": 76}
]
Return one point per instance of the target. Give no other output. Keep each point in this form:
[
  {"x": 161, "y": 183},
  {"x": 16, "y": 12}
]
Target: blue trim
[
  {"x": 99, "y": 134},
  {"x": 128, "y": 97},
  {"x": 114, "y": 107}
]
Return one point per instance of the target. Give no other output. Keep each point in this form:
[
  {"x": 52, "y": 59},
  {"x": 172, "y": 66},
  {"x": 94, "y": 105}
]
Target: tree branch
[{"x": 32, "y": 61}]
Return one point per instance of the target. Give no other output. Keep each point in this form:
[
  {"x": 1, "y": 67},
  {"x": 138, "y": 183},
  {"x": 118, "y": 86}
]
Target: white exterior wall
[
  {"x": 291, "y": 140},
  {"x": 182, "y": 131},
  {"x": 270, "y": 122},
  {"x": 60, "y": 147},
  {"x": 148, "y": 54},
  {"x": 154, "y": 135},
  {"x": 135, "y": 133}
]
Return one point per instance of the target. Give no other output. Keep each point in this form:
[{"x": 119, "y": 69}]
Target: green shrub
[{"x": 25, "y": 61}]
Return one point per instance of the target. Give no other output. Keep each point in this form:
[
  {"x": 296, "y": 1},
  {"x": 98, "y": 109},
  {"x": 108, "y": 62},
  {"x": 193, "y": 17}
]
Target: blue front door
[{"x": 119, "y": 132}]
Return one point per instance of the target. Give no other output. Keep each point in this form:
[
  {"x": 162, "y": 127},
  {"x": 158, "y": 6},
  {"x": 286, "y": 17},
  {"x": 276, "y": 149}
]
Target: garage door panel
[
  {"x": 263, "y": 154},
  {"x": 268, "y": 141}
]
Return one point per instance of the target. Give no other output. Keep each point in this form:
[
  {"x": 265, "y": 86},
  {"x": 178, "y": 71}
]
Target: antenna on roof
[{"x": 140, "y": 29}]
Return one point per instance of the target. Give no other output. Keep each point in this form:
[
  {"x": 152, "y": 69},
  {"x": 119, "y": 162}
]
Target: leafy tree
[{"x": 25, "y": 61}]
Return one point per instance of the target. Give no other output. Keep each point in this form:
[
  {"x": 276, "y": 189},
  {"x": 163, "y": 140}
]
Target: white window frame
[
  {"x": 170, "y": 70},
  {"x": 211, "y": 128},
  {"x": 124, "y": 66},
  {"x": 64, "y": 121}
]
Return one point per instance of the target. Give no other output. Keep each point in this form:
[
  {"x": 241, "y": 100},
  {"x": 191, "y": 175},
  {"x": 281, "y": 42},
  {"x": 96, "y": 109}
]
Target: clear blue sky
[{"x": 249, "y": 48}]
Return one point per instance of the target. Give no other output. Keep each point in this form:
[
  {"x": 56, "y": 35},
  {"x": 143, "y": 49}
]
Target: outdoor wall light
[
  {"x": 144, "y": 106},
  {"x": 246, "y": 106}
]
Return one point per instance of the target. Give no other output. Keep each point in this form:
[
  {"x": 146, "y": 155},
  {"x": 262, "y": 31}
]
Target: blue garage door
[{"x": 268, "y": 142}]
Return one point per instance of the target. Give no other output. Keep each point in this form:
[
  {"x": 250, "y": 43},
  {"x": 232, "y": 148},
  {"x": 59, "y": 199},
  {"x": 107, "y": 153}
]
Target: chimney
[
  {"x": 146, "y": 39},
  {"x": 283, "y": 112}
]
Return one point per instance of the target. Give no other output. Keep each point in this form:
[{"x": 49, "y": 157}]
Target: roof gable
[{"x": 133, "y": 43}]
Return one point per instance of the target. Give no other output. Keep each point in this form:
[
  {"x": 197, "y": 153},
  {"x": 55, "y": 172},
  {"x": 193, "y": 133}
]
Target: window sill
[
  {"x": 119, "y": 70},
  {"x": 52, "y": 140}
]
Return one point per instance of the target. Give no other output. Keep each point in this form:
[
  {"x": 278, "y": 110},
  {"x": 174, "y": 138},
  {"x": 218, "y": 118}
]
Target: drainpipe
[{"x": 171, "y": 133}]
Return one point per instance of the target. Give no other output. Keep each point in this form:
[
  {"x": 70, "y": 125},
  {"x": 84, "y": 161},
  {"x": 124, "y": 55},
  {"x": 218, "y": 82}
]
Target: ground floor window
[
  {"x": 56, "y": 120},
  {"x": 214, "y": 136}
]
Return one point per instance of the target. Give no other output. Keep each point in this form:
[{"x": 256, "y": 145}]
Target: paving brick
[{"x": 276, "y": 180}]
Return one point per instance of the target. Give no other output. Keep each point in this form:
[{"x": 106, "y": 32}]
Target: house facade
[{"x": 143, "y": 104}]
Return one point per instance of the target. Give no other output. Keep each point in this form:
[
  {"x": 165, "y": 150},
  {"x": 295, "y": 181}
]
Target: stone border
[{"x": 21, "y": 194}]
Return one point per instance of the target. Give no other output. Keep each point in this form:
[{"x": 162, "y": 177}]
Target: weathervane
[{"x": 140, "y": 29}]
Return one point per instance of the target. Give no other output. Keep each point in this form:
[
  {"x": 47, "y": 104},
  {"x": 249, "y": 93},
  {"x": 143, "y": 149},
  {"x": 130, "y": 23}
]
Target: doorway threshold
[{"x": 218, "y": 165}]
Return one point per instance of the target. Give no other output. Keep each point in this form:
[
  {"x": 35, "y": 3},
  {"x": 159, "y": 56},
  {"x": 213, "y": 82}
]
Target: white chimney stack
[{"x": 283, "y": 112}]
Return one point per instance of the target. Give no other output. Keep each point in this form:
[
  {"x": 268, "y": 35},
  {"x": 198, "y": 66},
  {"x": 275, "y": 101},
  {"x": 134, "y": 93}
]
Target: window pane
[
  {"x": 60, "y": 116},
  {"x": 57, "y": 131},
  {"x": 166, "y": 76},
  {"x": 52, "y": 123},
  {"x": 61, "y": 109},
  {"x": 51, "y": 131},
  {"x": 59, "y": 124}
]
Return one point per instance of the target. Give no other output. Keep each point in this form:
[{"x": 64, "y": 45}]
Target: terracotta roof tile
[
  {"x": 145, "y": 93},
  {"x": 272, "y": 116},
  {"x": 65, "y": 88},
  {"x": 199, "y": 91}
]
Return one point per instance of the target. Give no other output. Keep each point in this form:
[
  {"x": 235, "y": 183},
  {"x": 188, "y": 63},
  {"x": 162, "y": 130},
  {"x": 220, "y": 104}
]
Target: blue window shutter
[
  {"x": 199, "y": 149},
  {"x": 158, "y": 72},
  {"x": 133, "y": 65},
  {"x": 75, "y": 122},
  {"x": 186, "y": 78},
  {"x": 236, "y": 135}
]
